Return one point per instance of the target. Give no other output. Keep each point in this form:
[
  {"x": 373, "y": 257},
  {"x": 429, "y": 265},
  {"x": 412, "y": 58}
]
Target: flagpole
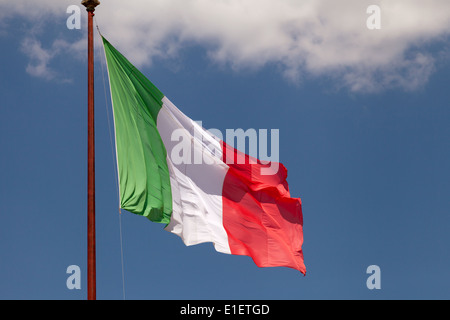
[{"x": 91, "y": 277}]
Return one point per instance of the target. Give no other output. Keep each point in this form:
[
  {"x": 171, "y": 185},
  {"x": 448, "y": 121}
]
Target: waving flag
[{"x": 225, "y": 198}]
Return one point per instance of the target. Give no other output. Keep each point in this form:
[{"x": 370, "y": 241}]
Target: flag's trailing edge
[{"x": 231, "y": 205}]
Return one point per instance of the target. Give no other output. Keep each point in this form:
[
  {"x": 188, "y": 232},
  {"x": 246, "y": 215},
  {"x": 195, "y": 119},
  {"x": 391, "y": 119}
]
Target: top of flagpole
[{"x": 90, "y": 4}]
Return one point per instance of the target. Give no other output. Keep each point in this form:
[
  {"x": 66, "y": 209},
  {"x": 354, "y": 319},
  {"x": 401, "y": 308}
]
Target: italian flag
[{"x": 224, "y": 198}]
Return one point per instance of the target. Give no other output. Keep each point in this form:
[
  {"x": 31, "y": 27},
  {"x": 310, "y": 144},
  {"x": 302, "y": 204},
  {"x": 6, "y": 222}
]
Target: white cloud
[
  {"x": 40, "y": 58},
  {"x": 309, "y": 38}
]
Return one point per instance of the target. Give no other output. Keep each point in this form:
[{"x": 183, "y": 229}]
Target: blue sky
[{"x": 366, "y": 144}]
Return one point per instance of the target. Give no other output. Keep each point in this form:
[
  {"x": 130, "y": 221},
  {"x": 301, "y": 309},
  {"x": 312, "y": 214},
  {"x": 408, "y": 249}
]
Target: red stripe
[{"x": 261, "y": 219}]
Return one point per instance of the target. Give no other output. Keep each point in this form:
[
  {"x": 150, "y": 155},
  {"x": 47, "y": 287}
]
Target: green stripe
[{"x": 143, "y": 173}]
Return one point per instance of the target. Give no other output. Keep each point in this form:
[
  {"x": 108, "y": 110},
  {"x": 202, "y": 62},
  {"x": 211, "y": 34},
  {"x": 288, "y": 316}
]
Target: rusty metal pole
[{"x": 91, "y": 277}]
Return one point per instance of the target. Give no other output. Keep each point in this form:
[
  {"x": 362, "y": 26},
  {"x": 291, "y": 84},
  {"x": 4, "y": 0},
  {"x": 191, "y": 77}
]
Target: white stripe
[{"x": 196, "y": 188}]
